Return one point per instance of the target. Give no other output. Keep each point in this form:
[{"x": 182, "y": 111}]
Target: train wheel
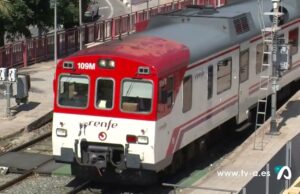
[
  {"x": 177, "y": 162},
  {"x": 189, "y": 151},
  {"x": 79, "y": 171},
  {"x": 201, "y": 146}
]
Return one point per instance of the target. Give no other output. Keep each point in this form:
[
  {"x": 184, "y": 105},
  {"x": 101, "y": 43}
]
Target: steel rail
[
  {"x": 23, "y": 176},
  {"x": 27, "y": 144},
  {"x": 80, "y": 187},
  {"x": 31, "y": 171},
  {"x": 32, "y": 142}
]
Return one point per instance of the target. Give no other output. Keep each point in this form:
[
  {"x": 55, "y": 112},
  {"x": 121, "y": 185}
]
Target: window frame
[
  {"x": 186, "y": 109},
  {"x": 210, "y": 90},
  {"x": 228, "y": 58},
  {"x": 297, "y": 29},
  {"x": 113, "y": 94},
  {"x": 248, "y": 65},
  {"x": 152, "y": 97},
  {"x": 259, "y": 70},
  {"x": 168, "y": 89},
  {"x": 58, "y": 91}
]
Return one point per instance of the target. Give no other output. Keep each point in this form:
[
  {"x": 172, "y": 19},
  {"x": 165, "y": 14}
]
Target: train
[{"x": 138, "y": 106}]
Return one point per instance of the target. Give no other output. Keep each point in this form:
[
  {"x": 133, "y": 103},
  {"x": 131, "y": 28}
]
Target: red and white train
[{"x": 128, "y": 108}]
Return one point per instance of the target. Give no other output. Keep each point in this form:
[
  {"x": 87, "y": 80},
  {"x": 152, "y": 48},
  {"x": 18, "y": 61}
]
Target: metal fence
[{"x": 41, "y": 48}]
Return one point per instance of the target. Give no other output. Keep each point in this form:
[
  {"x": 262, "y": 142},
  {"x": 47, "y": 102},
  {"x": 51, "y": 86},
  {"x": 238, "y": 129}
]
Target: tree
[
  {"x": 14, "y": 19},
  {"x": 68, "y": 13},
  {"x": 42, "y": 14},
  {"x": 17, "y": 15},
  {"x": 5, "y": 7}
]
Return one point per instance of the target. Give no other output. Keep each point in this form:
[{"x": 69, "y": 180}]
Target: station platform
[
  {"x": 20, "y": 162},
  {"x": 38, "y": 110},
  {"x": 235, "y": 171}
]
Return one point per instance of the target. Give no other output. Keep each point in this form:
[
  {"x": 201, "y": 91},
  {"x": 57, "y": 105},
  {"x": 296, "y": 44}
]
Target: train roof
[
  {"x": 206, "y": 30},
  {"x": 178, "y": 38},
  {"x": 163, "y": 55}
]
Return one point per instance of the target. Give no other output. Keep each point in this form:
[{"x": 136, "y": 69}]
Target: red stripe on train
[{"x": 206, "y": 115}]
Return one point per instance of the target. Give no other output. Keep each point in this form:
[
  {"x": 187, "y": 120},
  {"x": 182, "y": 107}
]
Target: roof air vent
[{"x": 241, "y": 24}]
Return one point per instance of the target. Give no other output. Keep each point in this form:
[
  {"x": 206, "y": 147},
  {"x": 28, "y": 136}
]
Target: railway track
[
  {"x": 22, "y": 176},
  {"x": 213, "y": 156},
  {"x": 217, "y": 152},
  {"x": 82, "y": 184},
  {"x": 30, "y": 172},
  {"x": 29, "y": 143}
]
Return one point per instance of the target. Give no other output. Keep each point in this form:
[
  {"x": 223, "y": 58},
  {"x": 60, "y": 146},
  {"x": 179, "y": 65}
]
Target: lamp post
[
  {"x": 53, "y": 5},
  {"x": 55, "y": 32},
  {"x": 80, "y": 24},
  {"x": 273, "y": 128}
]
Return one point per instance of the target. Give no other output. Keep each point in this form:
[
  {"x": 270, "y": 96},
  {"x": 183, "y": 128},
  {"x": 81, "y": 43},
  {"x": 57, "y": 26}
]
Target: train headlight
[
  {"x": 111, "y": 64},
  {"x": 107, "y": 63},
  {"x": 60, "y": 132},
  {"x": 137, "y": 139},
  {"x": 142, "y": 140},
  {"x": 102, "y": 63}
]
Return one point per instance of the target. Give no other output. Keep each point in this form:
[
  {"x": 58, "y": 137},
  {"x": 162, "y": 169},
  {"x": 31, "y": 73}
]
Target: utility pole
[
  {"x": 55, "y": 32},
  {"x": 273, "y": 128},
  {"x": 130, "y": 17},
  {"x": 148, "y": 15},
  {"x": 80, "y": 24}
]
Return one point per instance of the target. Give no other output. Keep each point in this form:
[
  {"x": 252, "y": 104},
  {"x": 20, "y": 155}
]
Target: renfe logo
[
  {"x": 280, "y": 170},
  {"x": 107, "y": 125},
  {"x": 89, "y": 66}
]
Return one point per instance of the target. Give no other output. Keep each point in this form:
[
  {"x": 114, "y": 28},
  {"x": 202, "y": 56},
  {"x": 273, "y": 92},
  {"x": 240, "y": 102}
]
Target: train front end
[
  {"x": 104, "y": 115},
  {"x": 105, "y": 108}
]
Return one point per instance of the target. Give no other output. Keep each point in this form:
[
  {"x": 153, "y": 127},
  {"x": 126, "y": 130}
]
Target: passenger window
[
  {"x": 244, "y": 65},
  {"x": 136, "y": 96},
  {"x": 187, "y": 93},
  {"x": 104, "y": 93},
  {"x": 261, "y": 58},
  {"x": 73, "y": 91},
  {"x": 293, "y": 41},
  {"x": 166, "y": 91},
  {"x": 224, "y": 75},
  {"x": 210, "y": 81}
]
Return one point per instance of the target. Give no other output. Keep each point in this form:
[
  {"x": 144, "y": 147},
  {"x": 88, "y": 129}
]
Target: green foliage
[
  {"x": 68, "y": 12},
  {"x": 5, "y": 7},
  {"x": 42, "y": 14},
  {"x": 15, "y": 20},
  {"x": 17, "y": 15}
]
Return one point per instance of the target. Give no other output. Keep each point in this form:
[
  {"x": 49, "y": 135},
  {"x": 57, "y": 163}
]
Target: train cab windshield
[
  {"x": 136, "y": 96},
  {"x": 104, "y": 93},
  {"x": 73, "y": 91}
]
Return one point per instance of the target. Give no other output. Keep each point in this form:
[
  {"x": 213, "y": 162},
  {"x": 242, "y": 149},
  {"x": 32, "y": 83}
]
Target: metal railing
[{"x": 41, "y": 48}]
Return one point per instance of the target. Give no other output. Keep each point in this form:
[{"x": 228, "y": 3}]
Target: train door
[{"x": 243, "y": 82}]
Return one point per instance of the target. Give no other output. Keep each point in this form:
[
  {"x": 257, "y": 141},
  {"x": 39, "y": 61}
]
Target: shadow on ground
[
  {"x": 25, "y": 107},
  {"x": 287, "y": 114}
]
